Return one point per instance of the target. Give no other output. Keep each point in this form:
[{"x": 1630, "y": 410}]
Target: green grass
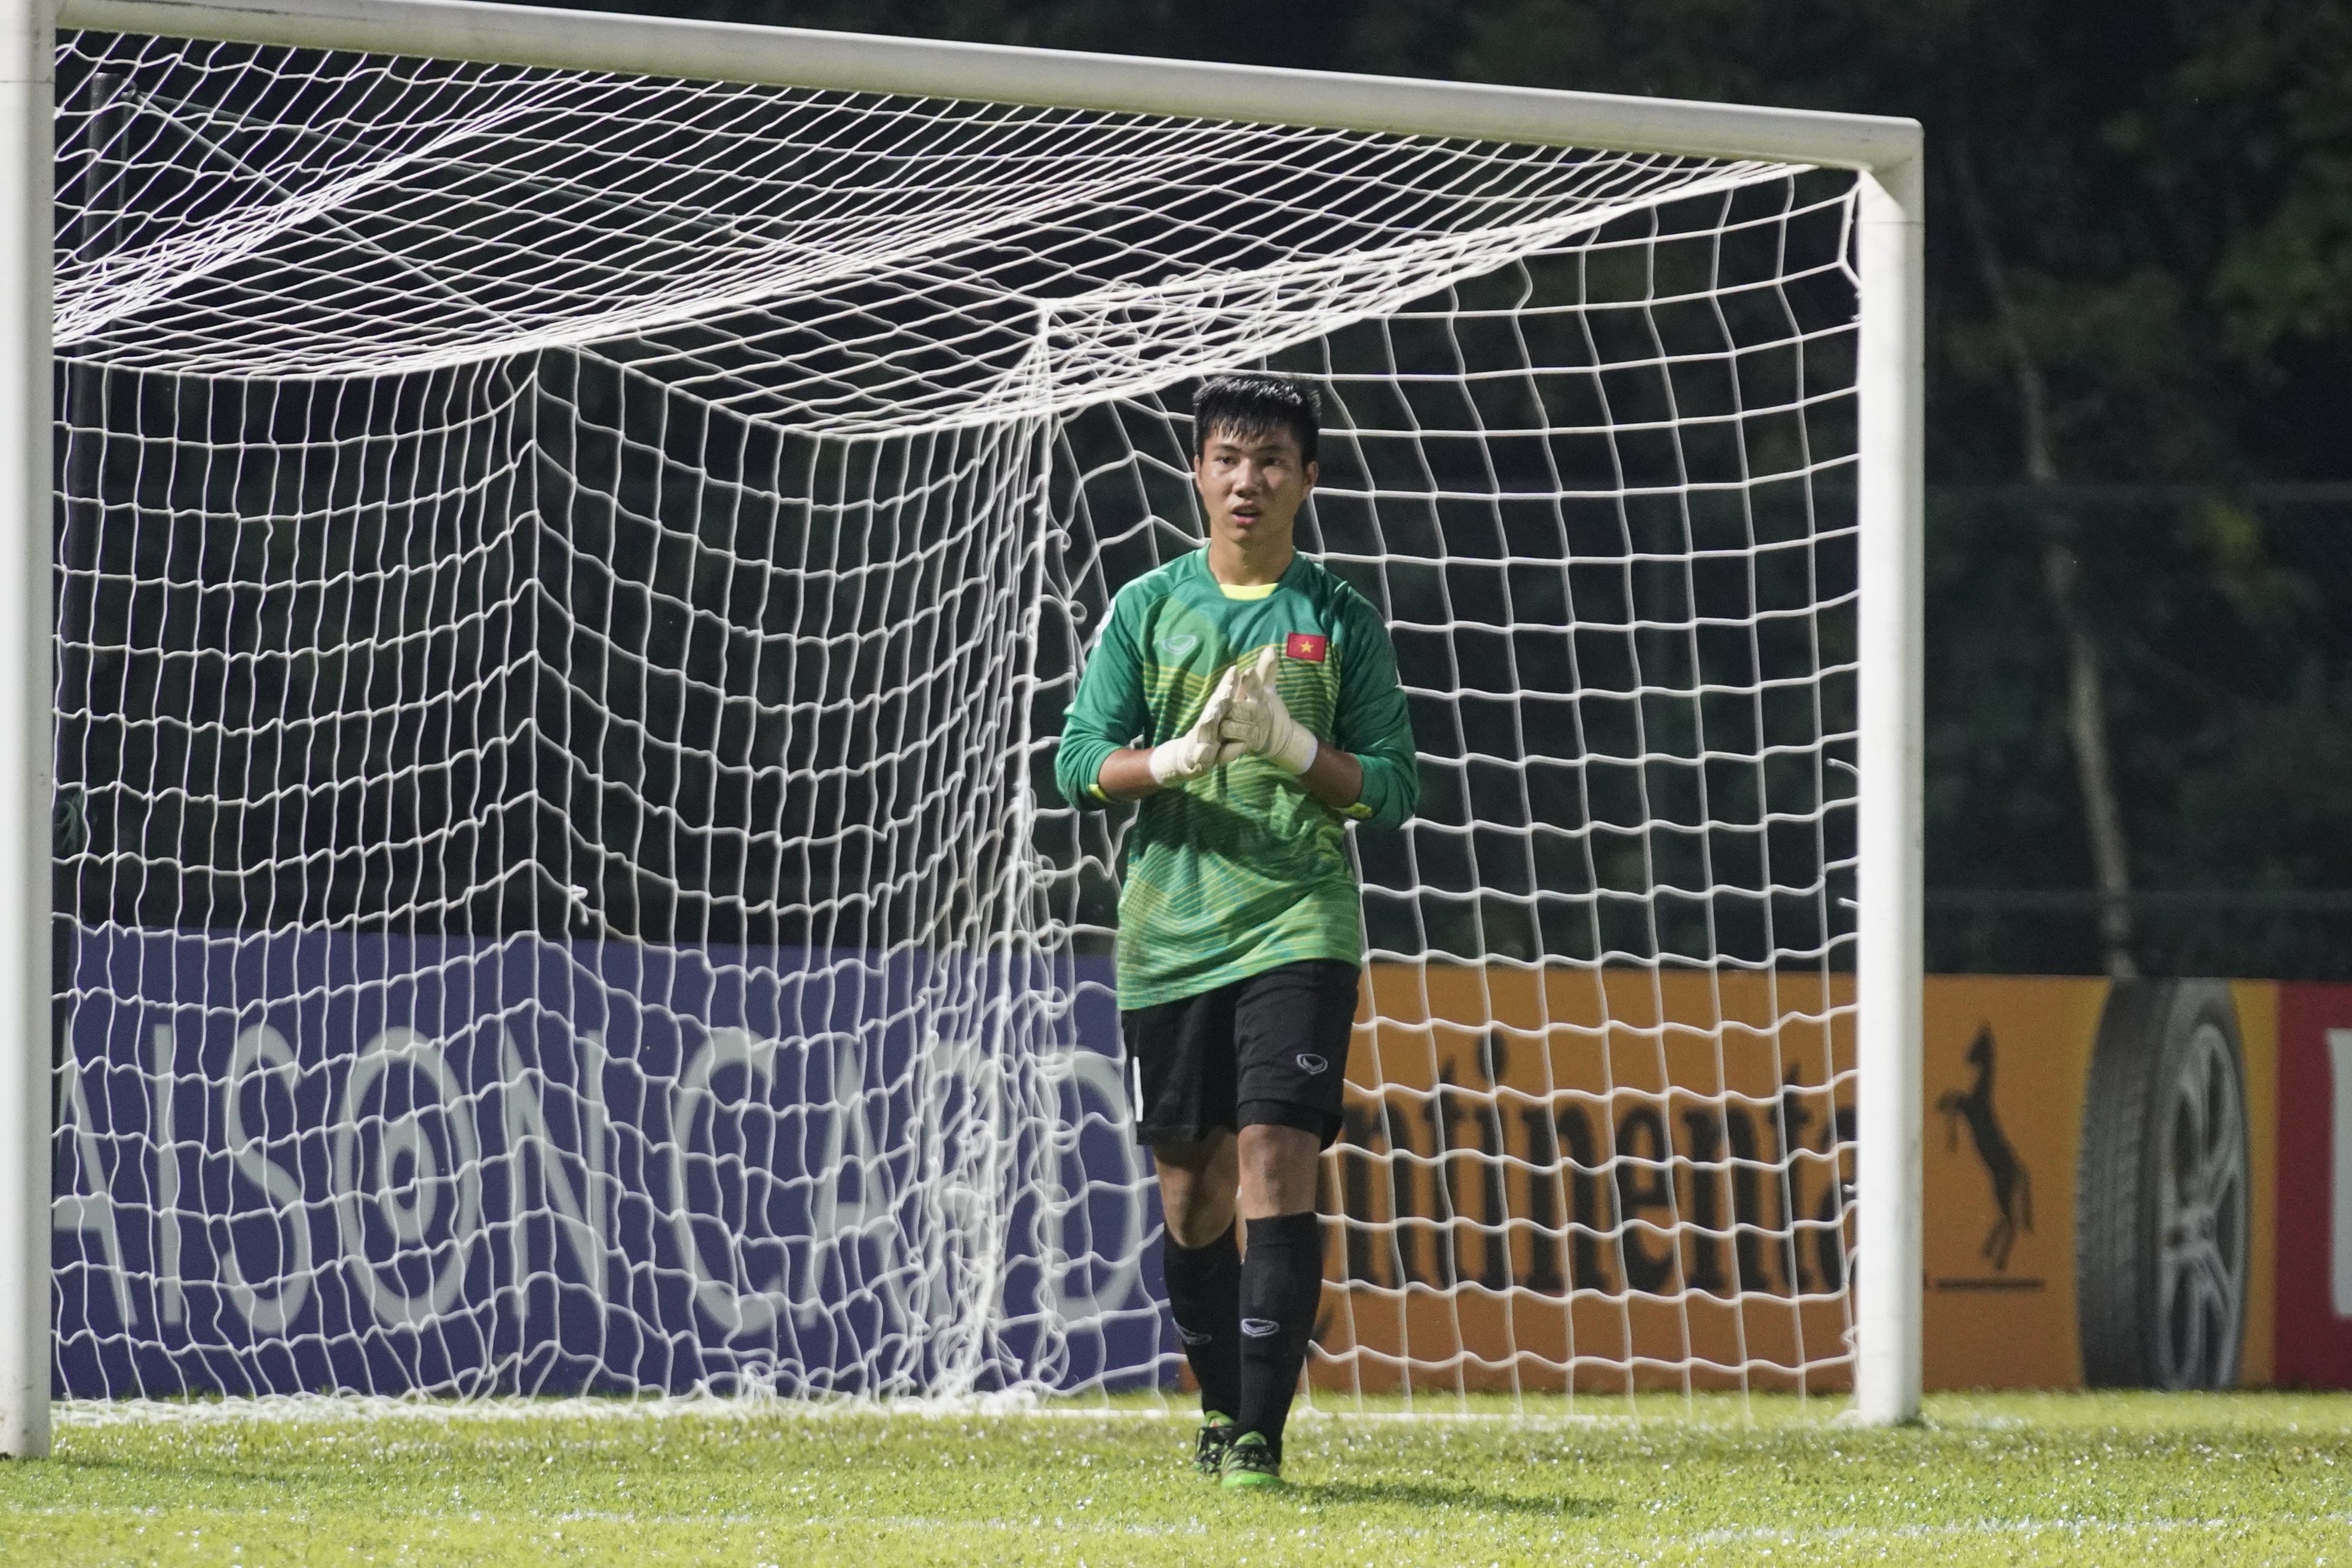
[{"x": 2009, "y": 1478}]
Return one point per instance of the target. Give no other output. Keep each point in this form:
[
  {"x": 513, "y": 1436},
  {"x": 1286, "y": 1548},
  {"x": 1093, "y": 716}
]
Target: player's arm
[
  {"x": 1107, "y": 713},
  {"x": 1133, "y": 772},
  {"x": 1335, "y": 777},
  {"x": 1126, "y": 774},
  {"x": 1374, "y": 723},
  {"x": 1094, "y": 764}
]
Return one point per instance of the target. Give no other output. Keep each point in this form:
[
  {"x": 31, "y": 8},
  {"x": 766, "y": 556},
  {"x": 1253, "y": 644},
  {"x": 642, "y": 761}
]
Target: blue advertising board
[{"x": 295, "y": 1162}]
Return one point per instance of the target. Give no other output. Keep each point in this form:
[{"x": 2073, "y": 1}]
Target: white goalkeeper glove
[
  {"x": 1202, "y": 749},
  {"x": 1257, "y": 723}
]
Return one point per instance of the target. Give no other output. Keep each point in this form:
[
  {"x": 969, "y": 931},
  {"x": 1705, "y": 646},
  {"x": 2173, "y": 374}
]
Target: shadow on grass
[{"x": 1469, "y": 1500}]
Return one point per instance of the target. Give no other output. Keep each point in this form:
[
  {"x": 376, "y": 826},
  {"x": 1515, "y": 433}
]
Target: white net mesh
[{"x": 568, "y": 587}]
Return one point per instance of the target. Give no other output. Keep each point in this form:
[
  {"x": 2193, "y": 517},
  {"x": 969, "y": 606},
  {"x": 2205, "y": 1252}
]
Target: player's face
[{"x": 1252, "y": 487}]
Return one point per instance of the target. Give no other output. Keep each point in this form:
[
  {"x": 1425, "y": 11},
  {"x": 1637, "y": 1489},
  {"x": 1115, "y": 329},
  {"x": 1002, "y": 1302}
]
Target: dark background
[
  {"x": 2140, "y": 393},
  {"x": 2139, "y": 411}
]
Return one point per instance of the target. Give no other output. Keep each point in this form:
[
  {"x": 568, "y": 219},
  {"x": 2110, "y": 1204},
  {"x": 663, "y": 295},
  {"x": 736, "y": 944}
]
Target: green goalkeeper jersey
[{"x": 1238, "y": 872}]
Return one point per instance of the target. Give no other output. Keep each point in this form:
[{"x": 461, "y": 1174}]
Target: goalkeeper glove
[
  {"x": 1202, "y": 749},
  {"x": 1259, "y": 723}
]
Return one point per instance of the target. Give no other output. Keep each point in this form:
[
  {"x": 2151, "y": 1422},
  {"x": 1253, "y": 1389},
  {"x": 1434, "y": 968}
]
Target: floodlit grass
[{"x": 2011, "y": 1479}]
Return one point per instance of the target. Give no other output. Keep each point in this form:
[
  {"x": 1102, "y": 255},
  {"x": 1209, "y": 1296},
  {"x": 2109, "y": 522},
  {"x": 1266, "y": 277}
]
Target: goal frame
[{"x": 1884, "y": 151}]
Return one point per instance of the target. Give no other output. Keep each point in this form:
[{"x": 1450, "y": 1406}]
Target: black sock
[
  {"x": 1204, "y": 1290},
  {"x": 1282, "y": 1285}
]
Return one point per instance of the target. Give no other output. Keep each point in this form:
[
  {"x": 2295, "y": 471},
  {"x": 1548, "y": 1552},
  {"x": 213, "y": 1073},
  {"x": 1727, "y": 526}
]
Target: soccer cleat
[
  {"x": 1217, "y": 1434},
  {"x": 1252, "y": 1461}
]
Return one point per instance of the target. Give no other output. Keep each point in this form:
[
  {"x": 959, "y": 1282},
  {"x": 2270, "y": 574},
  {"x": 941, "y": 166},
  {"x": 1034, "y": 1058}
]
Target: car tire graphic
[{"x": 2161, "y": 1190}]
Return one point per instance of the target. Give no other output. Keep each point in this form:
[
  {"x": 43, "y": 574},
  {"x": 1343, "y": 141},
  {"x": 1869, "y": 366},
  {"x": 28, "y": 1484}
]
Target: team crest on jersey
[{"x": 1309, "y": 647}]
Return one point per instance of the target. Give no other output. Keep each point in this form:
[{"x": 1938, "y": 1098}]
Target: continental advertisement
[{"x": 1594, "y": 1178}]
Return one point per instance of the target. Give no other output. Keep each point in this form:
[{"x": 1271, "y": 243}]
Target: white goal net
[{"x": 567, "y": 585}]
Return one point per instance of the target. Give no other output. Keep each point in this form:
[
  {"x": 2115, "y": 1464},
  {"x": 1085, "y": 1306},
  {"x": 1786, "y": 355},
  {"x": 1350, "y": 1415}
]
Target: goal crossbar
[
  {"x": 1887, "y": 258},
  {"x": 1051, "y": 78}
]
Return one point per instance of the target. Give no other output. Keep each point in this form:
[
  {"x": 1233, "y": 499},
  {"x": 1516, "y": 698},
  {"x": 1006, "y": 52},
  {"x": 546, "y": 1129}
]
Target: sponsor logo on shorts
[
  {"x": 1259, "y": 1328},
  {"x": 1191, "y": 1338},
  {"x": 1309, "y": 1062}
]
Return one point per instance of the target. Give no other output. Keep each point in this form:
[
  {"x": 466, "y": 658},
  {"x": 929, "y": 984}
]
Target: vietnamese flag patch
[{"x": 1310, "y": 649}]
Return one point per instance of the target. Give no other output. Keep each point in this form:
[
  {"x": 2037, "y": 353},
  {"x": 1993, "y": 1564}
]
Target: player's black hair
[{"x": 1255, "y": 403}]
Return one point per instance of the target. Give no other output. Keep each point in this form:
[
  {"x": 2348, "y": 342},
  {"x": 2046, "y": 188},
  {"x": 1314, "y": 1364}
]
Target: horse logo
[{"x": 2012, "y": 1183}]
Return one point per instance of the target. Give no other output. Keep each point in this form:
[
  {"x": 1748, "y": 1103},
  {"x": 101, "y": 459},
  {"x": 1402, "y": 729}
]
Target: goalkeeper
[{"x": 1265, "y": 693}]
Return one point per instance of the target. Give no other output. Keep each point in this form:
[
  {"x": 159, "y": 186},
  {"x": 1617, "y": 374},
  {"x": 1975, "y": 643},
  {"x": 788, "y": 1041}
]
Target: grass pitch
[{"x": 2256, "y": 1478}]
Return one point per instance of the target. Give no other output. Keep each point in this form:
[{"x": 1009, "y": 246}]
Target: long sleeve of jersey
[
  {"x": 1375, "y": 723},
  {"x": 1107, "y": 713}
]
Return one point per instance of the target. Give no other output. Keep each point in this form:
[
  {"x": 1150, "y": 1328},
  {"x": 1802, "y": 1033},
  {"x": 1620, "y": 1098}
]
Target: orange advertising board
[
  {"x": 2008, "y": 1074},
  {"x": 1607, "y": 1177},
  {"x": 2005, "y": 1064},
  {"x": 1637, "y": 1216}
]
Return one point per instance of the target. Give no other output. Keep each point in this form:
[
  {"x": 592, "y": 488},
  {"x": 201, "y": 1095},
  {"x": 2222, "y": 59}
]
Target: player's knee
[
  {"x": 1198, "y": 1215},
  {"x": 1277, "y": 1169},
  {"x": 1196, "y": 1190}
]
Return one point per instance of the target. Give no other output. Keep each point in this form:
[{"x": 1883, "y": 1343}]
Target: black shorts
[{"x": 1270, "y": 1050}]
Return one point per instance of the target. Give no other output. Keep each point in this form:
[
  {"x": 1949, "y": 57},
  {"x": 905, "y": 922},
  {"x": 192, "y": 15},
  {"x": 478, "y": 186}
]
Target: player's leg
[
  {"x": 1281, "y": 1287},
  {"x": 1181, "y": 1073},
  {"x": 1292, "y": 1028},
  {"x": 1203, "y": 1270}
]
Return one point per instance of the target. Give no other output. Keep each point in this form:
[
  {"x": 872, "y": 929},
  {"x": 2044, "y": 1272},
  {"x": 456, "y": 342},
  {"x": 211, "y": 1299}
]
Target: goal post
[
  {"x": 954, "y": 922},
  {"x": 1890, "y": 953},
  {"x": 27, "y": 701}
]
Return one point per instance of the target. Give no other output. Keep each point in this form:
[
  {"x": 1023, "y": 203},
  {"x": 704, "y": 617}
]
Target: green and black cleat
[
  {"x": 1252, "y": 1461},
  {"x": 1217, "y": 1434}
]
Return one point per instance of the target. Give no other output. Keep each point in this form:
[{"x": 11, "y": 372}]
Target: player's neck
[{"x": 1235, "y": 567}]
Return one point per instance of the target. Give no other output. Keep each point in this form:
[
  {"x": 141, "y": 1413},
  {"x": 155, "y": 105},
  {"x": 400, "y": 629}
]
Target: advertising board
[
  {"x": 1576, "y": 1176},
  {"x": 2314, "y": 1179},
  {"x": 347, "y": 1161},
  {"x": 333, "y": 1161}
]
